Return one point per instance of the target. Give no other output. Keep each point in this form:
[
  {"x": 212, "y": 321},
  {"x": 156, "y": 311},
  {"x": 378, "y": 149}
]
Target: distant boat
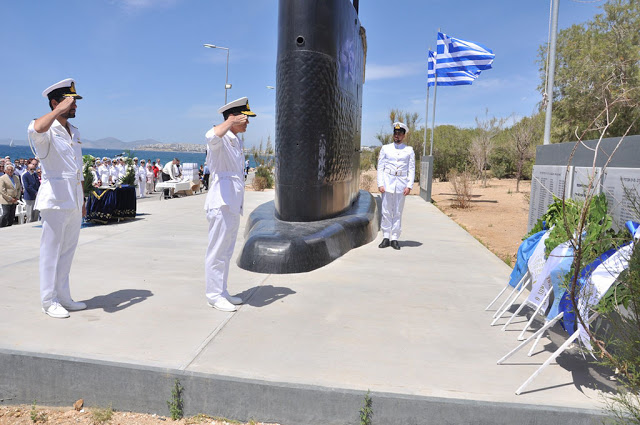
[{"x": 11, "y": 143}]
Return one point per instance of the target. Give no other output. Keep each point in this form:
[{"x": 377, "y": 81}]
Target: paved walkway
[{"x": 410, "y": 322}]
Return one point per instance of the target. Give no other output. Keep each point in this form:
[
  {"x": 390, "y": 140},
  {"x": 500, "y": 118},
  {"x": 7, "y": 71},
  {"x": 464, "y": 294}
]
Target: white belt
[
  {"x": 396, "y": 173},
  {"x": 65, "y": 175}
]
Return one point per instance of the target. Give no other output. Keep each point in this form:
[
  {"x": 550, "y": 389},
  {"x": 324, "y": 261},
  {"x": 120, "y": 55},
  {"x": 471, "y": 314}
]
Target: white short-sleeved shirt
[
  {"x": 225, "y": 159},
  {"x": 60, "y": 157}
]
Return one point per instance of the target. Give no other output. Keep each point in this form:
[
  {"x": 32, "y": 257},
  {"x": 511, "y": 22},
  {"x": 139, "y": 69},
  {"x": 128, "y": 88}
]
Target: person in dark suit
[{"x": 31, "y": 184}]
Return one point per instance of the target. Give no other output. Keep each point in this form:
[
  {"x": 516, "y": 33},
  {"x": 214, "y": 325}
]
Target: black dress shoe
[
  {"x": 395, "y": 245},
  {"x": 384, "y": 243}
]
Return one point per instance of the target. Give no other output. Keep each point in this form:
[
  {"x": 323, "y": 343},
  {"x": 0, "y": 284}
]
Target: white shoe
[
  {"x": 223, "y": 305},
  {"x": 56, "y": 311},
  {"x": 73, "y": 305},
  {"x": 234, "y": 300}
]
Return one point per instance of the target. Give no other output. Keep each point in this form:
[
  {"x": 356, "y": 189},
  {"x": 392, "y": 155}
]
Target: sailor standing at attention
[
  {"x": 60, "y": 198},
  {"x": 396, "y": 172},
  {"x": 225, "y": 198}
]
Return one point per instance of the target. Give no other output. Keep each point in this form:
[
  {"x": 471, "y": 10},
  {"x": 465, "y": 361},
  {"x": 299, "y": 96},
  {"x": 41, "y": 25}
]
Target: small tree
[
  {"x": 482, "y": 143},
  {"x": 523, "y": 134},
  {"x": 264, "y": 159}
]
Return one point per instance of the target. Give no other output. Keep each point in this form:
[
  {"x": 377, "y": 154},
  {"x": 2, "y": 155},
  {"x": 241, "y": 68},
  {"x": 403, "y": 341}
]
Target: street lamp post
[{"x": 227, "y": 86}]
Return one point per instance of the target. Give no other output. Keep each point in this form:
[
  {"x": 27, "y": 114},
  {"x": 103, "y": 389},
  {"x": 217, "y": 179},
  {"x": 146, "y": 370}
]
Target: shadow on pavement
[
  {"x": 118, "y": 300},
  {"x": 410, "y": 244},
  {"x": 260, "y": 296}
]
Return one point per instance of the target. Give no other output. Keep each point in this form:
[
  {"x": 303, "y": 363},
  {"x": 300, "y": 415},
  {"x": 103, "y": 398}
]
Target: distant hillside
[{"x": 113, "y": 143}]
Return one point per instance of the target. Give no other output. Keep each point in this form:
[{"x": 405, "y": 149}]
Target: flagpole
[
  {"x": 551, "y": 72},
  {"x": 426, "y": 112},
  {"x": 426, "y": 120},
  {"x": 433, "y": 120}
]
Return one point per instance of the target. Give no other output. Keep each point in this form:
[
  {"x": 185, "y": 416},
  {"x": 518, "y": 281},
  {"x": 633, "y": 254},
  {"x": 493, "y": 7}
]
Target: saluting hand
[
  {"x": 237, "y": 119},
  {"x": 65, "y": 105}
]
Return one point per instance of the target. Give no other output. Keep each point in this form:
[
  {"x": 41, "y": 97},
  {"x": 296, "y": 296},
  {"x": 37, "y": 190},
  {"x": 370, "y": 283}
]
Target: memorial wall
[{"x": 556, "y": 173}]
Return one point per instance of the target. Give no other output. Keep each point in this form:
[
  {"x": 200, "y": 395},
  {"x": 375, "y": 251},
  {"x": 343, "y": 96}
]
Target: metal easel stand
[
  {"x": 520, "y": 287},
  {"x": 553, "y": 356}
]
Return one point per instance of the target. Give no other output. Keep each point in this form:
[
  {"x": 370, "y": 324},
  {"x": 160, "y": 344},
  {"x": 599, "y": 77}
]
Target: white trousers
[
  {"x": 223, "y": 230},
  {"x": 60, "y": 232},
  {"x": 392, "y": 206},
  {"x": 142, "y": 186}
]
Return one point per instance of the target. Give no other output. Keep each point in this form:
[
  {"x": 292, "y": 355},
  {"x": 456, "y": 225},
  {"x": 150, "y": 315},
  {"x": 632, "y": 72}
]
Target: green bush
[
  {"x": 366, "y": 160},
  {"x": 266, "y": 174}
]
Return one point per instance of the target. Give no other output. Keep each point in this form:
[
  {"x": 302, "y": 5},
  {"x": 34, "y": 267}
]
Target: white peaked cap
[
  {"x": 399, "y": 125},
  {"x": 242, "y": 106},
  {"x": 67, "y": 83}
]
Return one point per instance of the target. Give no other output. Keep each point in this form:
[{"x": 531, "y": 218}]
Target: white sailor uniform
[
  {"x": 59, "y": 200},
  {"x": 223, "y": 205},
  {"x": 104, "y": 174},
  {"x": 141, "y": 176},
  {"x": 396, "y": 172}
]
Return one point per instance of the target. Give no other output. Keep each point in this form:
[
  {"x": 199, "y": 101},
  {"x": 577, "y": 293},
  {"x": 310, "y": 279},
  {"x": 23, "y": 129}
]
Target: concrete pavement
[{"x": 408, "y": 325}]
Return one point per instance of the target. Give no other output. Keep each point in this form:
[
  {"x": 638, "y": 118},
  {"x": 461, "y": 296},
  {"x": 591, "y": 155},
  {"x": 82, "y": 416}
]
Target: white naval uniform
[
  {"x": 113, "y": 173},
  {"x": 396, "y": 172},
  {"x": 104, "y": 174},
  {"x": 223, "y": 205},
  {"x": 141, "y": 176},
  {"x": 59, "y": 200}
]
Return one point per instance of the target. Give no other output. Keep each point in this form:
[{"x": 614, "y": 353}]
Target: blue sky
[{"x": 144, "y": 73}]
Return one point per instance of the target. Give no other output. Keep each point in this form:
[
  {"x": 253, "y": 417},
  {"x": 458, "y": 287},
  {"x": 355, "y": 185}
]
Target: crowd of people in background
[
  {"x": 20, "y": 180},
  {"x": 19, "y": 184},
  {"x": 23, "y": 178},
  {"x": 147, "y": 173}
]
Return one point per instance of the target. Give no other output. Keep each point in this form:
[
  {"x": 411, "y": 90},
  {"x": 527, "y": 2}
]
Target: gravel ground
[{"x": 24, "y": 414}]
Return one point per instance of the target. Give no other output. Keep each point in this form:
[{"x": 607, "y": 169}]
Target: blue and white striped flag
[
  {"x": 431, "y": 73},
  {"x": 448, "y": 77},
  {"x": 460, "y": 62}
]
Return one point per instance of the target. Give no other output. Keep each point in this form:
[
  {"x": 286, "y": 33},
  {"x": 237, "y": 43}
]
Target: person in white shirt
[
  {"x": 170, "y": 170},
  {"x": 103, "y": 170},
  {"x": 396, "y": 172},
  {"x": 120, "y": 169},
  {"x": 142, "y": 178},
  {"x": 150, "y": 178},
  {"x": 60, "y": 197},
  {"x": 114, "y": 175},
  {"x": 225, "y": 198}
]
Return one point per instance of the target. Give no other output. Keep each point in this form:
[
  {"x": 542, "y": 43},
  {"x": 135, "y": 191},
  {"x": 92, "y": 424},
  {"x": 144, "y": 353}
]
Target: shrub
[
  {"x": 461, "y": 183},
  {"x": 366, "y": 160},
  {"x": 265, "y": 174},
  {"x": 259, "y": 183},
  {"x": 366, "y": 182}
]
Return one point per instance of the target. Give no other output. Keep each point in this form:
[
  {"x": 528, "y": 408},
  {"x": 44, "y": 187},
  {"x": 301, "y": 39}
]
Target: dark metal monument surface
[
  {"x": 318, "y": 213},
  {"x": 320, "y": 73},
  {"x": 276, "y": 246}
]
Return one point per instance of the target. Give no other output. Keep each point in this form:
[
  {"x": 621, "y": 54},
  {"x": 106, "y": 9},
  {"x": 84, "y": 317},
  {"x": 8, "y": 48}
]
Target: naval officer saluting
[
  {"x": 225, "y": 198},
  {"x": 396, "y": 172},
  {"x": 60, "y": 198}
]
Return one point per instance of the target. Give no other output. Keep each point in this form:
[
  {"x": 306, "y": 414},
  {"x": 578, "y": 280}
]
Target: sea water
[{"x": 16, "y": 152}]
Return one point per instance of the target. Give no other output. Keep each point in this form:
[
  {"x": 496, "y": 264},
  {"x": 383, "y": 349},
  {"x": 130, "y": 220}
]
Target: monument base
[{"x": 275, "y": 246}]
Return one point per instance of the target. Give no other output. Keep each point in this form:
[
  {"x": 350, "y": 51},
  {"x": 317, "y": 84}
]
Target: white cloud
[
  {"x": 134, "y": 5},
  {"x": 381, "y": 72}
]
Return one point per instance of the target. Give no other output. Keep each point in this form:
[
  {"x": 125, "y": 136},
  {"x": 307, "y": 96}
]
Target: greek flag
[
  {"x": 459, "y": 62},
  {"x": 431, "y": 73},
  {"x": 447, "y": 77}
]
